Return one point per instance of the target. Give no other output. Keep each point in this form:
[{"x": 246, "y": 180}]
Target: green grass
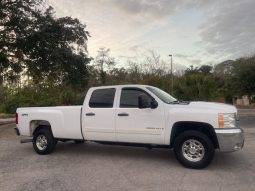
[
  {"x": 246, "y": 107},
  {"x": 4, "y": 115}
]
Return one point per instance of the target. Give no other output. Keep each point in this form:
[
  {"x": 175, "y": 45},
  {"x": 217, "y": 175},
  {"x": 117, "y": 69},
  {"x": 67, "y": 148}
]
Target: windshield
[{"x": 165, "y": 97}]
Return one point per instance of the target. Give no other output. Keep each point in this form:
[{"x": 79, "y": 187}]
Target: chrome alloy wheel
[
  {"x": 193, "y": 150},
  {"x": 41, "y": 142}
]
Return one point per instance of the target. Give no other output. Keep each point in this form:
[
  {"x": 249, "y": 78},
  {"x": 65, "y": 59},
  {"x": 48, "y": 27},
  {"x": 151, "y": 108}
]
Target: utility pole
[{"x": 172, "y": 79}]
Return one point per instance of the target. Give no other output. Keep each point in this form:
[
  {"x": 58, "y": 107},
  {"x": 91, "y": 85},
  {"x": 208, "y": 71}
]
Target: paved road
[
  {"x": 247, "y": 123},
  {"x": 247, "y": 118},
  {"x": 94, "y": 167},
  {"x": 7, "y": 120}
]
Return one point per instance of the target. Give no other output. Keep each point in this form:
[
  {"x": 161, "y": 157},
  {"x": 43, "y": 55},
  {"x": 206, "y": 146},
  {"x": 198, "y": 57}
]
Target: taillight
[{"x": 17, "y": 118}]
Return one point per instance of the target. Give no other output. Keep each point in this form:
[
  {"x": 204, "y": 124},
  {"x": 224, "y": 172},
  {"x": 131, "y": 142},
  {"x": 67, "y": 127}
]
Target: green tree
[
  {"x": 206, "y": 69},
  {"x": 44, "y": 47},
  {"x": 16, "y": 24},
  {"x": 58, "y": 50},
  {"x": 103, "y": 63},
  {"x": 243, "y": 76},
  {"x": 223, "y": 75},
  {"x": 196, "y": 85}
]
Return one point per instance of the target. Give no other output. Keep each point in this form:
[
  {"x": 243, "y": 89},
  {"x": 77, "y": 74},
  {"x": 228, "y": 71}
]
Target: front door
[{"x": 136, "y": 125}]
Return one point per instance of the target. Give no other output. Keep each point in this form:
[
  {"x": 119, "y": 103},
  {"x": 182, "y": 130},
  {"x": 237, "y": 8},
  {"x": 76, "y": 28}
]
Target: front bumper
[{"x": 230, "y": 139}]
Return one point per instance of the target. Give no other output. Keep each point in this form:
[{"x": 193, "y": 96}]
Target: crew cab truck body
[{"x": 138, "y": 115}]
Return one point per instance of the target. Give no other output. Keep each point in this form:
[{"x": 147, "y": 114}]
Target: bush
[
  {"x": 67, "y": 97},
  {"x": 40, "y": 96},
  {"x": 3, "y": 95},
  {"x": 15, "y": 101}
]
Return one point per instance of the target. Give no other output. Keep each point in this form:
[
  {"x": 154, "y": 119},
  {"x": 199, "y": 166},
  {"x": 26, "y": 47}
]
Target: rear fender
[{"x": 51, "y": 118}]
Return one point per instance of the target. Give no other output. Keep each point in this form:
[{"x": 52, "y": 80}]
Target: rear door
[
  {"x": 99, "y": 115},
  {"x": 138, "y": 125}
]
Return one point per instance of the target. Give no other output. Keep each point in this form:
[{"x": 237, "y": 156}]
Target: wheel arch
[
  {"x": 205, "y": 128},
  {"x": 35, "y": 125}
]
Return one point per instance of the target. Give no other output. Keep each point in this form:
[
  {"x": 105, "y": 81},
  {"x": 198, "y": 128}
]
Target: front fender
[{"x": 189, "y": 115}]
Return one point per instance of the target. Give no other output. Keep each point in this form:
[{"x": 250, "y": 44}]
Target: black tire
[
  {"x": 50, "y": 144},
  {"x": 79, "y": 141},
  {"x": 200, "y": 139}
]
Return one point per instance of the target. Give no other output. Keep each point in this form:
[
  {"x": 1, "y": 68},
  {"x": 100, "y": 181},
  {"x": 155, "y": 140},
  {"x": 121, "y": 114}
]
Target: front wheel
[
  {"x": 43, "y": 141},
  {"x": 193, "y": 149}
]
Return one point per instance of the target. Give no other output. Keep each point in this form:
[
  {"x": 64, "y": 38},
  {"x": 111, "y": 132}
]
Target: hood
[
  {"x": 206, "y": 106},
  {"x": 221, "y": 107}
]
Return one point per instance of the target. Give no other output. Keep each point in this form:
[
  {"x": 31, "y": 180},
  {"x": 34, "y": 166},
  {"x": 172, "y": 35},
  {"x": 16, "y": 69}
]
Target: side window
[
  {"x": 102, "y": 98},
  {"x": 129, "y": 97}
]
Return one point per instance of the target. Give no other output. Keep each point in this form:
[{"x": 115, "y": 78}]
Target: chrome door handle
[
  {"x": 90, "y": 114},
  {"x": 123, "y": 114}
]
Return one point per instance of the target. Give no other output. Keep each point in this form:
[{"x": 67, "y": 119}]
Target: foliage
[
  {"x": 103, "y": 62},
  {"x": 16, "y": 23},
  {"x": 4, "y": 115},
  {"x": 35, "y": 43},
  {"x": 243, "y": 76},
  {"x": 41, "y": 95},
  {"x": 196, "y": 86}
]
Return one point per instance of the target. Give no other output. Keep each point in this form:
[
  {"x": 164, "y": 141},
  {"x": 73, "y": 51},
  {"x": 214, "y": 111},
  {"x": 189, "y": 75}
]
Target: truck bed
[{"x": 64, "y": 120}]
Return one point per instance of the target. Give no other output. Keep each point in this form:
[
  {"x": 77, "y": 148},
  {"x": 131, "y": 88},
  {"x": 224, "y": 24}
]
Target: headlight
[{"x": 227, "y": 120}]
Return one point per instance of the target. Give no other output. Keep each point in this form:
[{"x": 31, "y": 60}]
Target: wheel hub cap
[
  {"x": 193, "y": 150},
  {"x": 41, "y": 142}
]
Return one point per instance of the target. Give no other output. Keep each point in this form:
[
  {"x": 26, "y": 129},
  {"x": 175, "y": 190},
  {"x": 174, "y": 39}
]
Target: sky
[{"x": 195, "y": 32}]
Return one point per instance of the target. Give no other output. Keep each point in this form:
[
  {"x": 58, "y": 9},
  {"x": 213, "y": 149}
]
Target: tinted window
[
  {"x": 102, "y": 98},
  {"x": 129, "y": 97}
]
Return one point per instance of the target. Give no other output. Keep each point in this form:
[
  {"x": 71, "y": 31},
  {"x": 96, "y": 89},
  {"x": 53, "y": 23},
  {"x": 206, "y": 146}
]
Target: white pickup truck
[{"x": 136, "y": 115}]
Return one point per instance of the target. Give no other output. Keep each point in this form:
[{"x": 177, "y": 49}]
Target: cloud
[
  {"x": 195, "y": 61},
  {"x": 181, "y": 56},
  {"x": 229, "y": 29},
  {"x": 188, "y": 59},
  {"x": 135, "y": 48},
  {"x": 214, "y": 31},
  {"x": 156, "y": 8}
]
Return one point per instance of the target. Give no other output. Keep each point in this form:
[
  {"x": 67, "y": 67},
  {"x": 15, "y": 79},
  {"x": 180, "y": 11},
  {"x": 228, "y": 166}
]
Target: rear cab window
[{"x": 102, "y": 98}]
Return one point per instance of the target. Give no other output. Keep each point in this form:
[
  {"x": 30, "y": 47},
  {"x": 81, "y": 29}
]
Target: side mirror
[
  {"x": 154, "y": 104},
  {"x": 146, "y": 102}
]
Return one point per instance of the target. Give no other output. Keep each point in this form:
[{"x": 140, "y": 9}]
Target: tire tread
[
  {"x": 51, "y": 140},
  {"x": 204, "y": 139}
]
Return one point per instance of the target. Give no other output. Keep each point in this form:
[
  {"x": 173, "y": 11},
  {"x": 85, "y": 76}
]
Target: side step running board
[{"x": 26, "y": 140}]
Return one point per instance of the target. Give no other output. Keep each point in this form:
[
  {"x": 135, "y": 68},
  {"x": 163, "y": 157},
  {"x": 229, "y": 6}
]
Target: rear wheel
[
  {"x": 43, "y": 141},
  {"x": 193, "y": 149}
]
